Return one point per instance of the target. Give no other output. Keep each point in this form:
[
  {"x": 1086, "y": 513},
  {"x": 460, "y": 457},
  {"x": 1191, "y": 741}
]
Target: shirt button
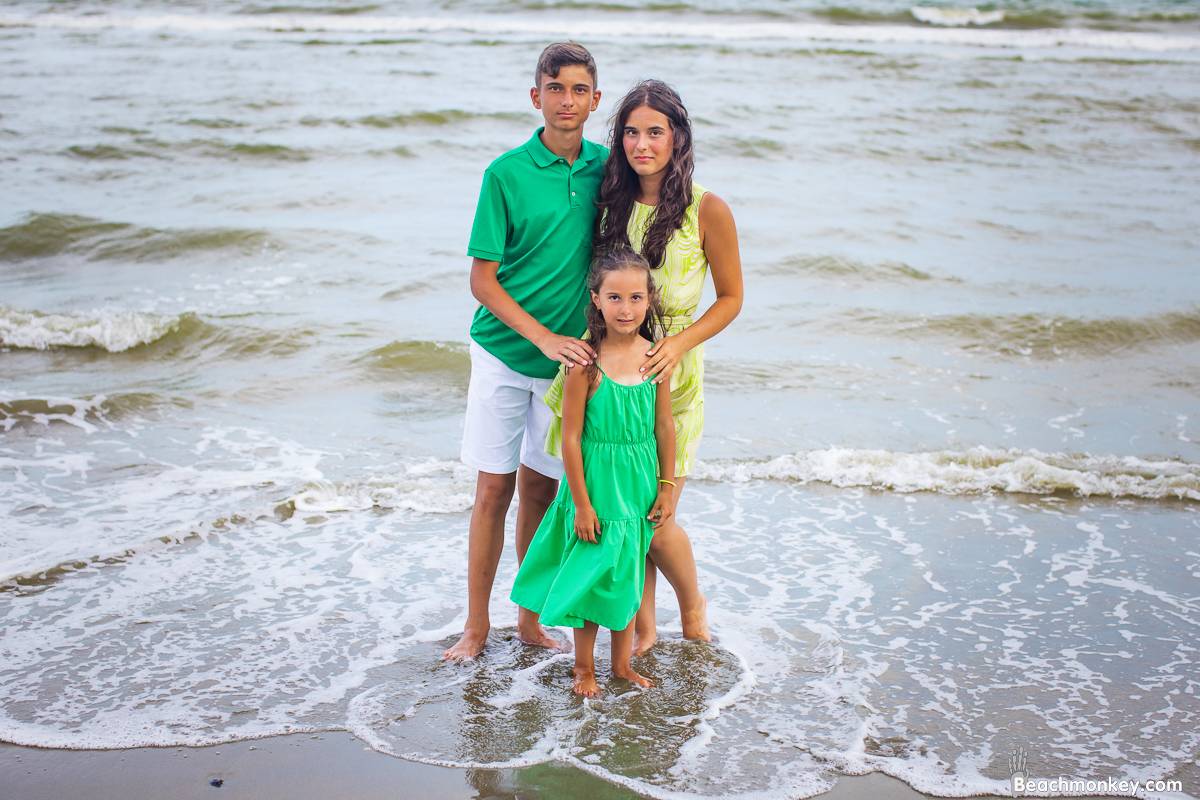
[{"x": 572, "y": 194}]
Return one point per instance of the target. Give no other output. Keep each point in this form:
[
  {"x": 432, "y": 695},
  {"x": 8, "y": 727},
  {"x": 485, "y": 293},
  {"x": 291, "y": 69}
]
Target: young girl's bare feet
[
  {"x": 628, "y": 674},
  {"x": 585, "y": 683},
  {"x": 695, "y": 622}
]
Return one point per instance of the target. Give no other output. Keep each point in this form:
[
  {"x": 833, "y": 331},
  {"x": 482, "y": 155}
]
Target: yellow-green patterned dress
[{"x": 680, "y": 281}]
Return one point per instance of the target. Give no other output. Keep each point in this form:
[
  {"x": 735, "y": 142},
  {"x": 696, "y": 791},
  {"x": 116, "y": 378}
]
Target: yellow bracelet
[{"x": 664, "y": 480}]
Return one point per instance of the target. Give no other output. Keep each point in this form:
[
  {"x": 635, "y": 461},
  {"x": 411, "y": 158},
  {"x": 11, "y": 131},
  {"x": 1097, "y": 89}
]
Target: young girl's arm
[
  {"x": 574, "y": 403},
  {"x": 664, "y": 436}
]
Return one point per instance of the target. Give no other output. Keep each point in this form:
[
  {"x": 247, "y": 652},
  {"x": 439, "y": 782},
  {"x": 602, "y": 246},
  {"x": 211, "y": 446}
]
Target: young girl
[{"x": 586, "y": 564}]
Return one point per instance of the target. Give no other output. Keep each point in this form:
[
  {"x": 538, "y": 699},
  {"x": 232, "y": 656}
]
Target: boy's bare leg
[
  {"x": 493, "y": 493},
  {"x": 585, "y": 661},
  {"x": 535, "y": 492},
  {"x": 622, "y": 649},
  {"x": 671, "y": 552}
]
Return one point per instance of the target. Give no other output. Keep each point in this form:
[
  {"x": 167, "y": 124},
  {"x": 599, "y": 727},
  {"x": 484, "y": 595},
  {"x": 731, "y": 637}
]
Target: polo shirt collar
[{"x": 543, "y": 157}]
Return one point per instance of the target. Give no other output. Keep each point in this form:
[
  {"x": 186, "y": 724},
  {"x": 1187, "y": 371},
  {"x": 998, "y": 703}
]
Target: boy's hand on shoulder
[
  {"x": 587, "y": 524},
  {"x": 566, "y": 350}
]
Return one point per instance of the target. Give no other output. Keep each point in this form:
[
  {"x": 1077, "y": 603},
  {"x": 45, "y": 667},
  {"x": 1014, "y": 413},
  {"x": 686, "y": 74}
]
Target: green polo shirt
[{"x": 535, "y": 217}]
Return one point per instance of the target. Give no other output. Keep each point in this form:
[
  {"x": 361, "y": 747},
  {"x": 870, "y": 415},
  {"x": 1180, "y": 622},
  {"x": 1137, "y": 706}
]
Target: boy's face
[{"x": 567, "y": 99}]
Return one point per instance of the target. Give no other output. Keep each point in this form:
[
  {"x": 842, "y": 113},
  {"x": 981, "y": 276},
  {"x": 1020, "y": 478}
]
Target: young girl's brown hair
[{"x": 605, "y": 264}]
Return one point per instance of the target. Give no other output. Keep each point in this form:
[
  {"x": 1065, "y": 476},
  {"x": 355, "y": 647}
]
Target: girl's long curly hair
[
  {"x": 619, "y": 187},
  {"x": 604, "y": 265}
]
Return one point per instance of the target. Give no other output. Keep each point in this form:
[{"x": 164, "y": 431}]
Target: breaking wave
[
  {"x": 115, "y": 332},
  {"x": 956, "y": 16},
  {"x": 184, "y": 337},
  {"x": 215, "y": 148},
  {"x": 444, "y": 487},
  {"x": 1035, "y": 335},
  {"x": 42, "y": 235},
  {"x": 841, "y": 268},
  {"x": 978, "y": 470},
  {"x": 444, "y": 117},
  {"x": 1018, "y": 33},
  {"x": 437, "y": 367}
]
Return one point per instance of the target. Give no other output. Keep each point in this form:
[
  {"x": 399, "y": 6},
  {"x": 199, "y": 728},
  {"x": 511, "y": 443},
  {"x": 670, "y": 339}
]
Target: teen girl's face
[
  {"x": 567, "y": 99},
  {"x": 648, "y": 141},
  {"x": 623, "y": 300}
]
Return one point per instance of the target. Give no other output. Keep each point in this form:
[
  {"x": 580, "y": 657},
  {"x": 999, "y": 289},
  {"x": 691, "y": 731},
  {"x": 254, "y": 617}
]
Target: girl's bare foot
[
  {"x": 585, "y": 683},
  {"x": 695, "y": 622},
  {"x": 643, "y": 642},
  {"x": 629, "y": 675}
]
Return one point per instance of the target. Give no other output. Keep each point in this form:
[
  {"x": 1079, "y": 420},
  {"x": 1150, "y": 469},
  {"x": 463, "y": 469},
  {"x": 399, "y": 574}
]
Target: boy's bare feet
[
  {"x": 630, "y": 675},
  {"x": 585, "y": 683},
  {"x": 695, "y": 622},
  {"x": 470, "y": 645},
  {"x": 643, "y": 643}
]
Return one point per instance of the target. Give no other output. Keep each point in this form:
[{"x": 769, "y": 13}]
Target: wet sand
[{"x": 328, "y": 765}]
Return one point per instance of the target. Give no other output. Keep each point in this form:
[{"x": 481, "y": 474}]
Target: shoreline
[{"x": 330, "y": 764}]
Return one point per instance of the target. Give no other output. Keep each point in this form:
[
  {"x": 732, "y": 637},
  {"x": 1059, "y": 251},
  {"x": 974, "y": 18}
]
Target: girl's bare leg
[
  {"x": 622, "y": 649},
  {"x": 671, "y": 552},
  {"x": 585, "y": 661},
  {"x": 645, "y": 624}
]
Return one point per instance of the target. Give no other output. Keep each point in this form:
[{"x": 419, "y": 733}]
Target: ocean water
[{"x": 948, "y": 500}]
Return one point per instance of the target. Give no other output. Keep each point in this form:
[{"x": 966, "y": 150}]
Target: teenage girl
[{"x": 586, "y": 565}]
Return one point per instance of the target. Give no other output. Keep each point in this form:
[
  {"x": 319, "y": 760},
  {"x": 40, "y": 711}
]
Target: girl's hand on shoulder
[
  {"x": 662, "y": 359},
  {"x": 661, "y": 509},
  {"x": 587, "y": 524}
]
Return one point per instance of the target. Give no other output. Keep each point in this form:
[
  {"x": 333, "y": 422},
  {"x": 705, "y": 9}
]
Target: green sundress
[{"x": 567, "y": 580}]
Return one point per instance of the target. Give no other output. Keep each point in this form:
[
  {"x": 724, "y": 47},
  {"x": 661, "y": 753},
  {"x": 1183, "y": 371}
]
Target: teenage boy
[{"x": 531, "y": 247}]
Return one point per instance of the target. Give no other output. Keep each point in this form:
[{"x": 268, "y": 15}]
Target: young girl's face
[{"x": 623, "y": 300}]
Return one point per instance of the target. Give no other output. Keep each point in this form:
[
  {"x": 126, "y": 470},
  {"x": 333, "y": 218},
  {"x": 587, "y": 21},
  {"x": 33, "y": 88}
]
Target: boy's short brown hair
[{"x": 564, "y": 54}]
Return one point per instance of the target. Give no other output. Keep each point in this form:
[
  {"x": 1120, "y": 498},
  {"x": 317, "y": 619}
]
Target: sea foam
[
  {"x": 431, "y": 487},
  {"x": 261, "y": 625}
]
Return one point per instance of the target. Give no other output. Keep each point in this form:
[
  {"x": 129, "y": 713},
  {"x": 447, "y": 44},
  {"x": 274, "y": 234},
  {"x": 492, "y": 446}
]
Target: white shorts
[{"x": 507, "y": 421}]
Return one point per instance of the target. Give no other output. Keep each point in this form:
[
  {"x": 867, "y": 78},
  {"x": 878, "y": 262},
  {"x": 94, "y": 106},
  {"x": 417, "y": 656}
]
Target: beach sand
[{"x": 328, "y": 765}]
